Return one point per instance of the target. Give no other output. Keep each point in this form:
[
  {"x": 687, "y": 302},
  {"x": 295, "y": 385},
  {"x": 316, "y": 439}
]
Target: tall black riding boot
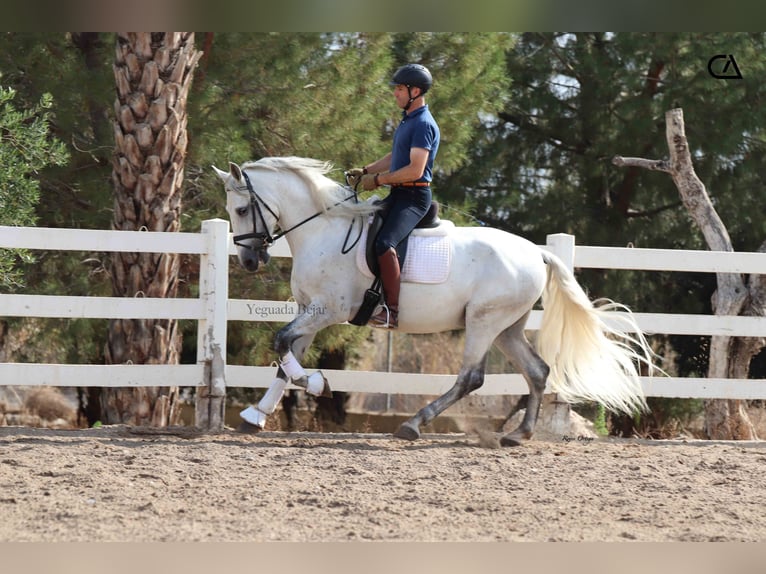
[{"x": 390, "y": 275}]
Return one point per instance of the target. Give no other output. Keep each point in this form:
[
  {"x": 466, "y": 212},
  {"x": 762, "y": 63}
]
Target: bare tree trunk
[
  {"x": 741, "y": 353},
  {"x": 729, "y": 357},
  {"x": 153, "y": 73}
]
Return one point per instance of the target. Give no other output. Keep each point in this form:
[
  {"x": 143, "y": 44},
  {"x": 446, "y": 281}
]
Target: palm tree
[{"x": 153, "y": 74}]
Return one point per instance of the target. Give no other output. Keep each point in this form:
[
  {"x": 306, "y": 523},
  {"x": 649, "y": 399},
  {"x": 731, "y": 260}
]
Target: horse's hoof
[
  {"x": 253, "y": 417},
  {"x": 246, "y": 428},
  {"x": 316, "y": 384},
  {"x": 407, "y": 432},
  {"x": 512, "y": 439}
]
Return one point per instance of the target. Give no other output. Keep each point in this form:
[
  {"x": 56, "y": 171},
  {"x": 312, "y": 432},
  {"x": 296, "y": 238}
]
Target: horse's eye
[{"x": 241, "y": 211}]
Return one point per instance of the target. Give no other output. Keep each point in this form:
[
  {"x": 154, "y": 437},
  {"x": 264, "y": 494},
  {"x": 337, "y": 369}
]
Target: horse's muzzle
[{"x": 251, "y": 259}]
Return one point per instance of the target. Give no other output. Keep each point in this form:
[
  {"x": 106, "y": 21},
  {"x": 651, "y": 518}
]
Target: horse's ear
[
  {"x": 235, "y": 172},
  {"x": 220, "y": 173}
]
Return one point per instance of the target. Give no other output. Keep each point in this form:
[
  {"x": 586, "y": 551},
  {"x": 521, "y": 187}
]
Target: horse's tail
[{"x": 592, "y": 348}]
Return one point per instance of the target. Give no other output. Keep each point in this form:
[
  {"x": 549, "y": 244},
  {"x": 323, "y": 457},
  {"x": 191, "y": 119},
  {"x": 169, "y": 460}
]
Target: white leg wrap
[
  {"x": 315, "y": 384},
  {"x": 253, "y": 416},
  {"x": 291, "y": 367},
  {"x": 272, "y": 397}
]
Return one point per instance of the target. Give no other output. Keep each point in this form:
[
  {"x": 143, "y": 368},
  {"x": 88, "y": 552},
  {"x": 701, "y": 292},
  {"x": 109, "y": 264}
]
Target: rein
[{"x": 264, "y": 239}]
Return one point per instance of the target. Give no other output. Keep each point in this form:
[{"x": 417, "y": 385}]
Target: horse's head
[{"x": 252, "y": 220}]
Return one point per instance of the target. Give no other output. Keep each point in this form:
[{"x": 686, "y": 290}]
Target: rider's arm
[
  {"x": 409, "y": 173},
  {"x": 383, "y": 164}
]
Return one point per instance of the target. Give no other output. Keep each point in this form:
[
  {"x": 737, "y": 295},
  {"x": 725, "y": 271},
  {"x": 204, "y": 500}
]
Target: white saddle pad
[{"x": 429, "y": 255}]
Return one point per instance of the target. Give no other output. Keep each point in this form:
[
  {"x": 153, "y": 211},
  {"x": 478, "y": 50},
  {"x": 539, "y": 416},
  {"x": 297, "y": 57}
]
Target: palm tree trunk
[{"x": 153, "y": 73}]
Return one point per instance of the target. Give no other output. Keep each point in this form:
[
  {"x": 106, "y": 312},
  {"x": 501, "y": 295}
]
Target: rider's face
[{"x": 402, "y": 96}]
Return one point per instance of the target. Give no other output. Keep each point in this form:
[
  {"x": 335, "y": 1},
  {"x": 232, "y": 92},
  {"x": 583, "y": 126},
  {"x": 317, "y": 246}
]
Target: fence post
[
  {"x": 211, "y": 331},
  {"x": 562, "y": 245}
]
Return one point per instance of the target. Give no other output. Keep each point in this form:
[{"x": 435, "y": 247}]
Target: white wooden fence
[{"x": 213, "y": 309}]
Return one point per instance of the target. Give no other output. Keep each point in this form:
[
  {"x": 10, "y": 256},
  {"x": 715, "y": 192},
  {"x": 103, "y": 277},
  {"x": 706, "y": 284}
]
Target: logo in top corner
[{"x": 724, "y": 67}]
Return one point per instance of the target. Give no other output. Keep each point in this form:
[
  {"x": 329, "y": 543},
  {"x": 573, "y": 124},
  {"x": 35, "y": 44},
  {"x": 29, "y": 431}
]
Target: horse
[{"x": 586, "y": 350}]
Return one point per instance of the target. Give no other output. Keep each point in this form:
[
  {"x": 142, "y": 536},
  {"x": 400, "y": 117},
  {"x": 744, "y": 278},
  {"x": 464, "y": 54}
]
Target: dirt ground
[{"x": 139, "y": 485}]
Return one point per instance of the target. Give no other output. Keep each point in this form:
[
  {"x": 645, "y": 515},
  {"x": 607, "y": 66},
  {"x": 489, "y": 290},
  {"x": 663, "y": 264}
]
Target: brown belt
[{"x": 412, "y": 184}]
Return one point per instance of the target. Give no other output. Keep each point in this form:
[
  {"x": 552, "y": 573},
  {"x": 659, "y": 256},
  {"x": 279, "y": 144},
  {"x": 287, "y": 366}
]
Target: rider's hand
[
  {"x": 354, "y": 175},
  {"x": 369, "y": 181}
]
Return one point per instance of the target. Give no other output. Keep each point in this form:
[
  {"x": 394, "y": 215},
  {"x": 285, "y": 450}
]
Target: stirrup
[{"x": 388, "y": 321}]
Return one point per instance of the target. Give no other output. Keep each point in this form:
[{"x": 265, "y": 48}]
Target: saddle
[{"x": 373, "y": 296}]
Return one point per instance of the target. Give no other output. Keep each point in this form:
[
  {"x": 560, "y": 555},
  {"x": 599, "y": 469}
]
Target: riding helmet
[{"x": 413, "y": 75}]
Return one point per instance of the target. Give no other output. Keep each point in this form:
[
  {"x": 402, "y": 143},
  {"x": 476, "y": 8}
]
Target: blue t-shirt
[{"x": 418, "y": 129}]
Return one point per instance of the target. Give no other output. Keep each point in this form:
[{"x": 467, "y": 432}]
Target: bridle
[{"x": 262, "y": 240}]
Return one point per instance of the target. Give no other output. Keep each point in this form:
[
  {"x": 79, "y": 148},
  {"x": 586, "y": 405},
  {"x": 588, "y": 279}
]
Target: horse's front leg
[
  {"x": 256, "y": 415},
  {"x": 291, "y": 349},
  {"x": 291, "y": 343}
]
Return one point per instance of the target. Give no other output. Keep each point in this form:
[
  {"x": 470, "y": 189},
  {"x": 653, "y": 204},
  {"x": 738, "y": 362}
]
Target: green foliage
[
  {"x": 599, "y": 422},
  {"x": 470, "y": 85},
  {"x": 578, "y": 99},
  {"x": 75, "y": 69},
  {"x": 310, "y": 95},
  {"x": 25, "y": 148}
]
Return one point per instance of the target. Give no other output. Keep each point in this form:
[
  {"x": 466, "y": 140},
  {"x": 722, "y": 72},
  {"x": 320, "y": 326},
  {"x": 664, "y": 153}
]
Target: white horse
[{"x": 585, "y": 351}]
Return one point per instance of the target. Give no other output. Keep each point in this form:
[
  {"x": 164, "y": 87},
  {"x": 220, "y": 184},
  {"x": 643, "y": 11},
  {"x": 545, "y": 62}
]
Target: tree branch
[
  {"x": 652, "y": 212},
  {"x": 652, "y": 164}
]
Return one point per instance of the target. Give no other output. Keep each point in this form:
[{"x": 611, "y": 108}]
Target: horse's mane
[{"x": 325, "y": 192}]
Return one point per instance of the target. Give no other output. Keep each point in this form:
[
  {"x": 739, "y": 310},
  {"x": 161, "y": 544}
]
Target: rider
[{"x": 408, "y": 169}]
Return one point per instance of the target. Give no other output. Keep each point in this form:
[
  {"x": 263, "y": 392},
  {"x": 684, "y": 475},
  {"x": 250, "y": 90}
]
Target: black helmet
[{"x": 413, "y": 75}]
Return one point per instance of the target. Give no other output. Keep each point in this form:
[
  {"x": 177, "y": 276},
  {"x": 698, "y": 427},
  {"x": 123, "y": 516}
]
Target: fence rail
[{"x": 213, "y": 309}]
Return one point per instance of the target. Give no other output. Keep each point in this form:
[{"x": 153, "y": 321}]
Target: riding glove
[{"x": 354, "y": 175}]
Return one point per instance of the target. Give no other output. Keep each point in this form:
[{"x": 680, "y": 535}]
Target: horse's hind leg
[
  {"x": 478, "y": 340},
  {"x": 470, "y": 378},
  {"x": 517, "y": 349}
]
